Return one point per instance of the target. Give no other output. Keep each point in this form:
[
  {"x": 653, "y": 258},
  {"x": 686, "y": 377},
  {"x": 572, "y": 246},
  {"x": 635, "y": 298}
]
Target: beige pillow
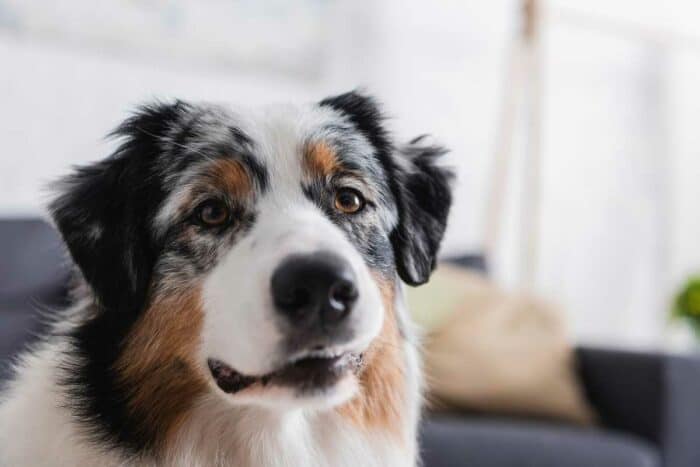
[{"x": 492, "y": 351}]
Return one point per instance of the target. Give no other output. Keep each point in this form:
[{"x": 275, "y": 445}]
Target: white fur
[{"x": 35, "y": 427}]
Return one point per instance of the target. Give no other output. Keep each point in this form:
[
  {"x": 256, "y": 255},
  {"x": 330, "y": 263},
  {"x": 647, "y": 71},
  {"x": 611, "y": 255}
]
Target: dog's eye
[
  {"x": 349, "y": 201},
  {"x": 212, "y": 213}
]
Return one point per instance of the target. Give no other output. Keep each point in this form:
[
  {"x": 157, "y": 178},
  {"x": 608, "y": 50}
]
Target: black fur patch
[
  {"x": 363, "y": 111},
  {"x": 115, "y": 198}
]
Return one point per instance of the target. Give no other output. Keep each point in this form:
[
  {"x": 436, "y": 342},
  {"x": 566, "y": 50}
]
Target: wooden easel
[{"x": 522, "y": 94}]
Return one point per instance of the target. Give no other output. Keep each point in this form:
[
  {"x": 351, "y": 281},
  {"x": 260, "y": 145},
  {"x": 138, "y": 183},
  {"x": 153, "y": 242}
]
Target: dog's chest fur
[{"x": 259, "y": 439}]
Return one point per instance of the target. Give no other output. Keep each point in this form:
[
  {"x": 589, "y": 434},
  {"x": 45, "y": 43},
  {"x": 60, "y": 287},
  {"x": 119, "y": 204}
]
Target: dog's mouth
[{"x": 312, "y": 372}]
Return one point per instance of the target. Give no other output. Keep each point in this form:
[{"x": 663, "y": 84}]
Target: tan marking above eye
[
  {"x": 349, "y": 201},
  {"x": 320, "y": 160},
  {"x": 231, "y": 176}
]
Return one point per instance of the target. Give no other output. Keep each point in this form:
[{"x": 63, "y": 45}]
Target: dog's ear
[
  {"x": 103, "y": 211},
  {"x": 424, "y": 196}
]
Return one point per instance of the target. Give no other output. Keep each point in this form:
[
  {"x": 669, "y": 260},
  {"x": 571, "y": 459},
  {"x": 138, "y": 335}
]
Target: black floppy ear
[
  {"x": 423, "y": 196},
  {"x": 103, "y": 211}
]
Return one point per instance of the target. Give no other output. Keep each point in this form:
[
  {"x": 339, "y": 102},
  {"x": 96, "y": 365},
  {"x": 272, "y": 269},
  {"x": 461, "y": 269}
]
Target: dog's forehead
[
  {"x": 281, "y": 134},
  {"x": 274, "y": 136}
]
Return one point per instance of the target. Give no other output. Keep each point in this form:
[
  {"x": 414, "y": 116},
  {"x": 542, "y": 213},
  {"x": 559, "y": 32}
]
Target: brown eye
[
  {"x": 349, "y": 201},
  {"x": 212, "y": 213}
]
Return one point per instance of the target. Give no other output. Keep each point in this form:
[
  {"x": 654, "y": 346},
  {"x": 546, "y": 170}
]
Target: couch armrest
[{"x": 654, "y": 396}]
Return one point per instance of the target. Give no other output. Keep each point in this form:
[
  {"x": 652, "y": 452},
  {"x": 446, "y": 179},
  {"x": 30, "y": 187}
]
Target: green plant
[{"x": 687, "y": 304}]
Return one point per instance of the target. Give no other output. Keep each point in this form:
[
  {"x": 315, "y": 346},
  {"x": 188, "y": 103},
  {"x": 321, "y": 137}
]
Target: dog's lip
[{"x": 312, "y": 370}]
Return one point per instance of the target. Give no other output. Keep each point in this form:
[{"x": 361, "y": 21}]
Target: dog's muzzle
[{"x": 314, "y": 295}]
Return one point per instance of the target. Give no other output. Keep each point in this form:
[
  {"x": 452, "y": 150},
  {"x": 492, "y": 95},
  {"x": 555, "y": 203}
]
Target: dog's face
[{"x": 252, "y": 255}]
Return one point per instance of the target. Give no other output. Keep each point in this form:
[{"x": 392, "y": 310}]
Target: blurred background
[
  {"x": 573, "y": 127},
  {"x": 575, "y": 140}
]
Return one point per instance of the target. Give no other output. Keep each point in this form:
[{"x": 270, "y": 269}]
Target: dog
[{"x": 239, "y": 294}]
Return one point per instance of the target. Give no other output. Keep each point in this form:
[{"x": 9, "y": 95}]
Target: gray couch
[{"x": 649, "y": 404}]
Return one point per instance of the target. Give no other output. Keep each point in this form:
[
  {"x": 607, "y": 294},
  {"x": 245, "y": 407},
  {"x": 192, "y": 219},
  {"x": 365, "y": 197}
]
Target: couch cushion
[
  {"x": 17, "y": 329},
  {"x": 34, "y": 264},
  {"x": 496, "y": 351},
  {"x": 33, "y": 274},
  {"x": 452, "y": 441}
]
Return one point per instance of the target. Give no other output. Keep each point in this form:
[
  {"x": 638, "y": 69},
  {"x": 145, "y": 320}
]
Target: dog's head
[{"x": 252, "y": 255}]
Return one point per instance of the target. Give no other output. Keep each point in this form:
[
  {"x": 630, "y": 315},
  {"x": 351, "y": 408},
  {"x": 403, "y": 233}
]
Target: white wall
[{"x": 684, "y": 164}]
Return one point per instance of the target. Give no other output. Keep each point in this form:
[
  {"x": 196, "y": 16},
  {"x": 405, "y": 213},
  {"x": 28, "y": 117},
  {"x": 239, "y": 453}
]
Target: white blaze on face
[{"x": 241, "y": 322}]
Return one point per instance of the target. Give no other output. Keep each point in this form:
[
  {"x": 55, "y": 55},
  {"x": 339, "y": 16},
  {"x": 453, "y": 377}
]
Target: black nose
[{"x": 317, "y": 286}]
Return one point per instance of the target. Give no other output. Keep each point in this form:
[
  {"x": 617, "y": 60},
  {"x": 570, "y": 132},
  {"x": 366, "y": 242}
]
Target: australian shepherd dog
[{"x": 238, "y": 294}]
